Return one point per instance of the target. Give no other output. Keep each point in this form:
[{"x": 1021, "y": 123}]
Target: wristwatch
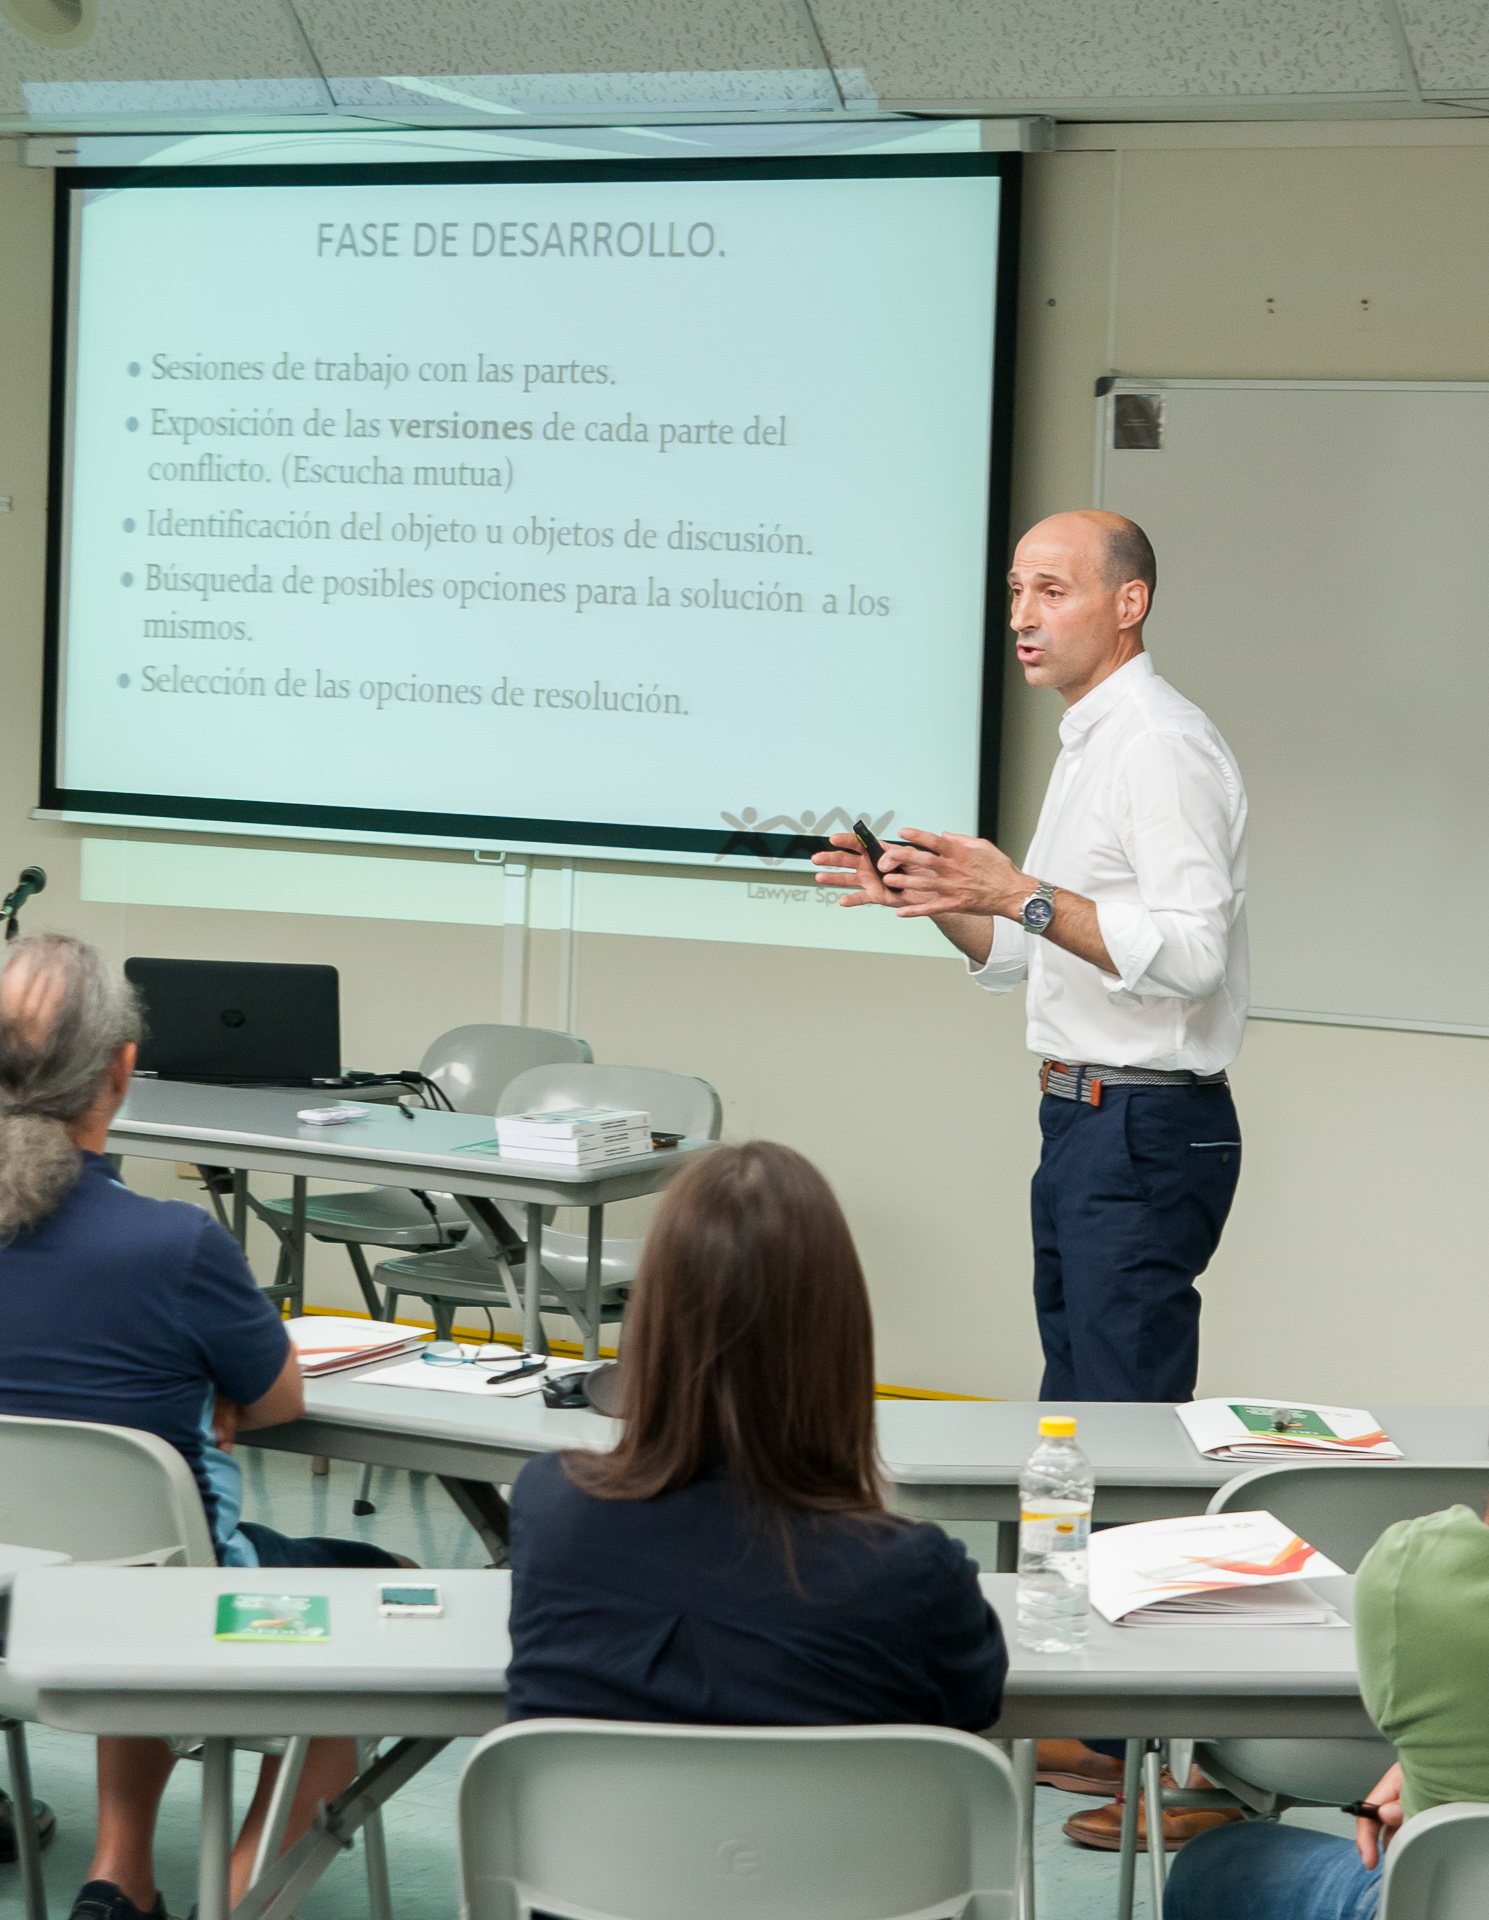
[{"x": 1038, "y": 910}]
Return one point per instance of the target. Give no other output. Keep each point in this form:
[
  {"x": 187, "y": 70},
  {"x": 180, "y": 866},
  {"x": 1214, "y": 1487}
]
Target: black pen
[
  {"x": 407, "y": 1112},
  {"x": 1362, "y": 1810},
  {"x": 523, "y": 1372}
]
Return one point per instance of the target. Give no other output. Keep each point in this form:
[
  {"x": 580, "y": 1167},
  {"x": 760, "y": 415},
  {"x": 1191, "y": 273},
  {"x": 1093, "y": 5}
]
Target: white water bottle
[{"x": 1056, "y": 1488}]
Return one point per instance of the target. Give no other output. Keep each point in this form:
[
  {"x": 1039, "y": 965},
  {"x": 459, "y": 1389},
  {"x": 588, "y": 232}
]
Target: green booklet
[
  {"x": 273, "y": 1616},
  {"x": 1271, "y": 1421}
]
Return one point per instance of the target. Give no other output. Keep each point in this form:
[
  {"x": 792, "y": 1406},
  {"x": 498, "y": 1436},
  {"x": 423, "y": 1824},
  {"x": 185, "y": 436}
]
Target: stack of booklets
[
  {"x": 1275, "y": 1429},
  {"x": 574, "y": 1136},
  {"x": 1208, "y": 1570},
  {"x": 324, "y": 1343}
]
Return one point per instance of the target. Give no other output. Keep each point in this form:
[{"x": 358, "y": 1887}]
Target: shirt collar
[{"x": 1111, "y": 692}]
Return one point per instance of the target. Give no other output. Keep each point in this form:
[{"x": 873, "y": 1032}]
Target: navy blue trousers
[{"x": 1129, "y": 1202}]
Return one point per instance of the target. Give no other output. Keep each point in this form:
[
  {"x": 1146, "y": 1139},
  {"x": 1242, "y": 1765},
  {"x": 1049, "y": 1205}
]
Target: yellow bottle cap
[{"x": 1057, "y": 1426}]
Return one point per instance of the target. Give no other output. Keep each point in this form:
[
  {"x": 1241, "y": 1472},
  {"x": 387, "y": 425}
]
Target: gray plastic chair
[
  {"x": 736, "y": 1823},
  {"x": 475, "y": 1276},
  {"x": 1342, "y": 1508},
  {"x": 471, "y": 1066},
  {"x": 94, "y": 1493},
  {"x": 114, "y": 1496},
  {"x": 1438, "y": 1865}
]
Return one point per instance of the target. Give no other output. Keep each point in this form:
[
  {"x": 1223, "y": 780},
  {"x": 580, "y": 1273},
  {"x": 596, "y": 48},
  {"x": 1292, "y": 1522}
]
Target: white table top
[
  {"x": 1185, "y": 1682},
  {"x": 923, "y": 1442},
  {"x": 115, "y": 1649},
  {"x": 977, "y": 1442},
  {"x": 111, "y": 1649},
  {"x": 256, "y": 1128},
  {"x": 524, "y": 1425}
]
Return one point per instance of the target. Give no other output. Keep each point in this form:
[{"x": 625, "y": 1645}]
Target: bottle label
[{"x": 1055, "y": 1526}]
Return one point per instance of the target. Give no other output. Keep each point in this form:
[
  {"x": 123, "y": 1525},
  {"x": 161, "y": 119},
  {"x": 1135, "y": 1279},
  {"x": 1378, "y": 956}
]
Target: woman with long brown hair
[{"x": 731, "y": 1561}]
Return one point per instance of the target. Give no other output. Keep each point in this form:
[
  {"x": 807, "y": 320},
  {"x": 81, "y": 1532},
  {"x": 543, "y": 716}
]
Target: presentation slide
[{"x": 593, "y": 512}]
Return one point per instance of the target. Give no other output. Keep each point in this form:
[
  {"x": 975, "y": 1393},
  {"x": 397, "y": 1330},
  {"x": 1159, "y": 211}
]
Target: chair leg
[
  {"x": 1025, "y": 1765},
  {"x": 444, "y": 1319},
  {"x": 390, "y": 1304},
  {"x": 374, "y": 1843},
  {"x": 364, "y": 1279},
  {"x": 1153, "y": 1794},
  {"x": 28, "y": 1840},
  {"x": 362, "y": 1504}
]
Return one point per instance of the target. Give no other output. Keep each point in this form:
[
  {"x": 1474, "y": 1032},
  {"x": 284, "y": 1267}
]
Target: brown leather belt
[{"x": 1085, "y": 1082}]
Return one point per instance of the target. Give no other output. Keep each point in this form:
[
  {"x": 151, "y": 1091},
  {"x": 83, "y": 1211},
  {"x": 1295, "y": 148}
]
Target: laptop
[{"x": 238, "y": 1021}]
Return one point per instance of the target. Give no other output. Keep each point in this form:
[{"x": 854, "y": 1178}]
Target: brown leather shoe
[
  {"x": 1102, "y": 1826},
  {"x": 1074, "y": 1768}
]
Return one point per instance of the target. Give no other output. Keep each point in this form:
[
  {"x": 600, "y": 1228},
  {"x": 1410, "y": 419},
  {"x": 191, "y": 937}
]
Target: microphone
[{"x": 32, "y": 880}]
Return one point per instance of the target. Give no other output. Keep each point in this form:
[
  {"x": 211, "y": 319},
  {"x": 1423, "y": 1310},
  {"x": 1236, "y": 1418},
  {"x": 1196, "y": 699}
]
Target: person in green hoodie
[{"x": 1422, "y": 1640}]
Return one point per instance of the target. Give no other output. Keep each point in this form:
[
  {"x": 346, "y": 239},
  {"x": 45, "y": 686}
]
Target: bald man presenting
[{"x": 1128, "y": 922}]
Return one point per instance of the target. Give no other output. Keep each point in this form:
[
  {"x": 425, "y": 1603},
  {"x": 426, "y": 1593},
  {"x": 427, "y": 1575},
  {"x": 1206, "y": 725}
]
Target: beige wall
[{"x": 1353, "y": 1267}]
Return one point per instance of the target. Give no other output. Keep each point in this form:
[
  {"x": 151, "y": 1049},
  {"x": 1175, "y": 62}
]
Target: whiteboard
[{"x": 1323, "y": 594}]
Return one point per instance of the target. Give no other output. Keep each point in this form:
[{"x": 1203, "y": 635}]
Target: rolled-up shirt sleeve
[
  {"x": 1178, "y": 812},
  {"x": 1008, "y": 959}
]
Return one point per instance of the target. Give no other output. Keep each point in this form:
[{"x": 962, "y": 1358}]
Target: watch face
[{"x": 1038, "y": 913}]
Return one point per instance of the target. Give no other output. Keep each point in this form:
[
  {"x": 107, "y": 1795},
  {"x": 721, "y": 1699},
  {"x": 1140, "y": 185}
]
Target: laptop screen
[{"x": 238, "y": 1020}]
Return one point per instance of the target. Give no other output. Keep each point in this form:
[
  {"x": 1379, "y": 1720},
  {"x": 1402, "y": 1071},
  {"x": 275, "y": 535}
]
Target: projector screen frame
[{"x": 590, "y": 840}]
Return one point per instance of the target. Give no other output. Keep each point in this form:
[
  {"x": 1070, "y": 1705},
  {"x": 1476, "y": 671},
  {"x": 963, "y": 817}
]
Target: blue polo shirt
[
  {"x": 128, "y": 1311},
  {"x": 682, "y": 1608}
]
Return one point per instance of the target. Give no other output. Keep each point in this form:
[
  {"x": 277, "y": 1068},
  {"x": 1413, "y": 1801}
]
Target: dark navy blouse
[{"x": 682, "y": 1608}]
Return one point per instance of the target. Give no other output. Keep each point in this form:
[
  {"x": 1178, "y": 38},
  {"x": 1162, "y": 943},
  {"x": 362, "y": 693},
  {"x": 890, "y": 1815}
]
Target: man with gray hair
[{"x": 134, "y": 1313}]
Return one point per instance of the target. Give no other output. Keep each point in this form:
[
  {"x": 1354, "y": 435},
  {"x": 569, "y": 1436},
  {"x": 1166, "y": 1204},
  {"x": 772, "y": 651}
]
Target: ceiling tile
[
  {"x": 1449, "y": 42},
  {"x": 249, "y": 49},
  {"x": 916, "y": 52},
  {"x": 554, "y": 37}
]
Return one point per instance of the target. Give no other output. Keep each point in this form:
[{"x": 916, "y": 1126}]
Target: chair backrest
[
  {"x": 647, "y": 1822},
  {"x": 1343, "y": 1507},
  {"x": 677, "y": 1102},
  {"x": 99, "y": 1493},
  {"x": 1438, "y": 1866},
  {"x": 471, "y": 1065}
]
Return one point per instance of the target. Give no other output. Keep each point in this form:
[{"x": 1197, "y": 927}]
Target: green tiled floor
[{"x": 415, "y": 1517}]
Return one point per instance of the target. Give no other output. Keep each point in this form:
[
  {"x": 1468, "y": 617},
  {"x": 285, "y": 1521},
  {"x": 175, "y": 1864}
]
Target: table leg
[
  {"x": 297, "y": 1245},
  {"x": 487, "y": 1512},
  {"x": 1025, "y": 1765},
  {"x": 592, "y": 1283},
  {"x": 506, "y": 1246},
  {"x": 374, "y": 1846},
  {"x": 277, "y": 1894},
  {"x": 271, "y": 1840},
  {"x": 1132, "y": 1780},
  {"x": 1153, "y": 1794},
  {"x": 1008, "y": 1546},
  {"x": 532, "y": 1285},
  {"x": 240, "y": 1207},
  {"x": 217, "y": 1829}
]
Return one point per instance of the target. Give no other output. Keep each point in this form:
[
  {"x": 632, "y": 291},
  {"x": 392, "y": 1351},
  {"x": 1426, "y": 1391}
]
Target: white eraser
[{"x": 331, "y": 1116}]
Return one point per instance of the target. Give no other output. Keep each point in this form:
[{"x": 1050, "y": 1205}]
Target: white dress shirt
[{"x": 1145, "y": 815}]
